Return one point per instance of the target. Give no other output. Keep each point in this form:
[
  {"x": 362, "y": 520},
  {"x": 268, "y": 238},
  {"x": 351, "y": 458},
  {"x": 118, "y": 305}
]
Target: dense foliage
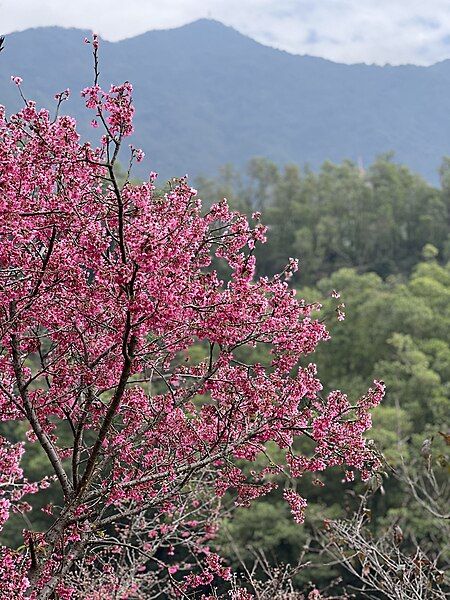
[{"x": 376, "y": 220}]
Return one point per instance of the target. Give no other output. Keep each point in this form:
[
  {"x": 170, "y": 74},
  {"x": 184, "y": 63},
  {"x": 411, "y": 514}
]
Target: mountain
[{"x": 206, "y": 95}]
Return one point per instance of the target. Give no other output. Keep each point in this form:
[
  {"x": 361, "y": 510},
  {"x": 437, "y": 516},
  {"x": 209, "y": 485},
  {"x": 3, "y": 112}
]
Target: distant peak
[
  {"x": 207, "y": 22},
  {"x": 210, "y": 25}
]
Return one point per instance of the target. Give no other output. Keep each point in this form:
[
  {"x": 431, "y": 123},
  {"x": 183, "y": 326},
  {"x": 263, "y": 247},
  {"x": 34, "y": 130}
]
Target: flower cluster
[
  {"x": 297, "y": 504},
  {"x": 114, "y": 107}
]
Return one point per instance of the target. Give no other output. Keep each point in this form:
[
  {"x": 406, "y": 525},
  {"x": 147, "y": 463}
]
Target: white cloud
[{"x": 380, "y": 31}]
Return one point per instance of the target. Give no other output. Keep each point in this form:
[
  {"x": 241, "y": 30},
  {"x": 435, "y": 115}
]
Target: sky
[{"x": 370, "y": 31}]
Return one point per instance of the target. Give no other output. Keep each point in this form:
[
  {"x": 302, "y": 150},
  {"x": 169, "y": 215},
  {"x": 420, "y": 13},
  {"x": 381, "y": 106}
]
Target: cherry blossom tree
[{"x": 123, "y": 351}]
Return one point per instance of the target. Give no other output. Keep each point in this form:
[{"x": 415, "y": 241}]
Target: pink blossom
[
  {"x": 340, "y": 312},
  {"x": 140, "y": 155},
  {"x": 297, "y": 504}
]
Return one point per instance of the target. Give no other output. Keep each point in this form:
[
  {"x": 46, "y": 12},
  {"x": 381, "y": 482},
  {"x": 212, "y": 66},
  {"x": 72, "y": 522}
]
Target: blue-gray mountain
[{"x": 206, "y": 95}]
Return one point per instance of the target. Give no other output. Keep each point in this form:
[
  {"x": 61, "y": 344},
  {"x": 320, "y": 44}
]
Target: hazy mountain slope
[{"x": 206, "y": 95}]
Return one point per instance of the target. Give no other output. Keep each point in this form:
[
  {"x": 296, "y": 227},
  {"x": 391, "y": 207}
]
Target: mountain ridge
[
  {"x": 206, "y": 95},
  {"x": 204, "y": 21}
]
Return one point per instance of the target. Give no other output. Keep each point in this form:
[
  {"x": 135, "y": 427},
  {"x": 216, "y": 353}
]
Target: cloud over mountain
[{"x": 350, "y": 31}]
